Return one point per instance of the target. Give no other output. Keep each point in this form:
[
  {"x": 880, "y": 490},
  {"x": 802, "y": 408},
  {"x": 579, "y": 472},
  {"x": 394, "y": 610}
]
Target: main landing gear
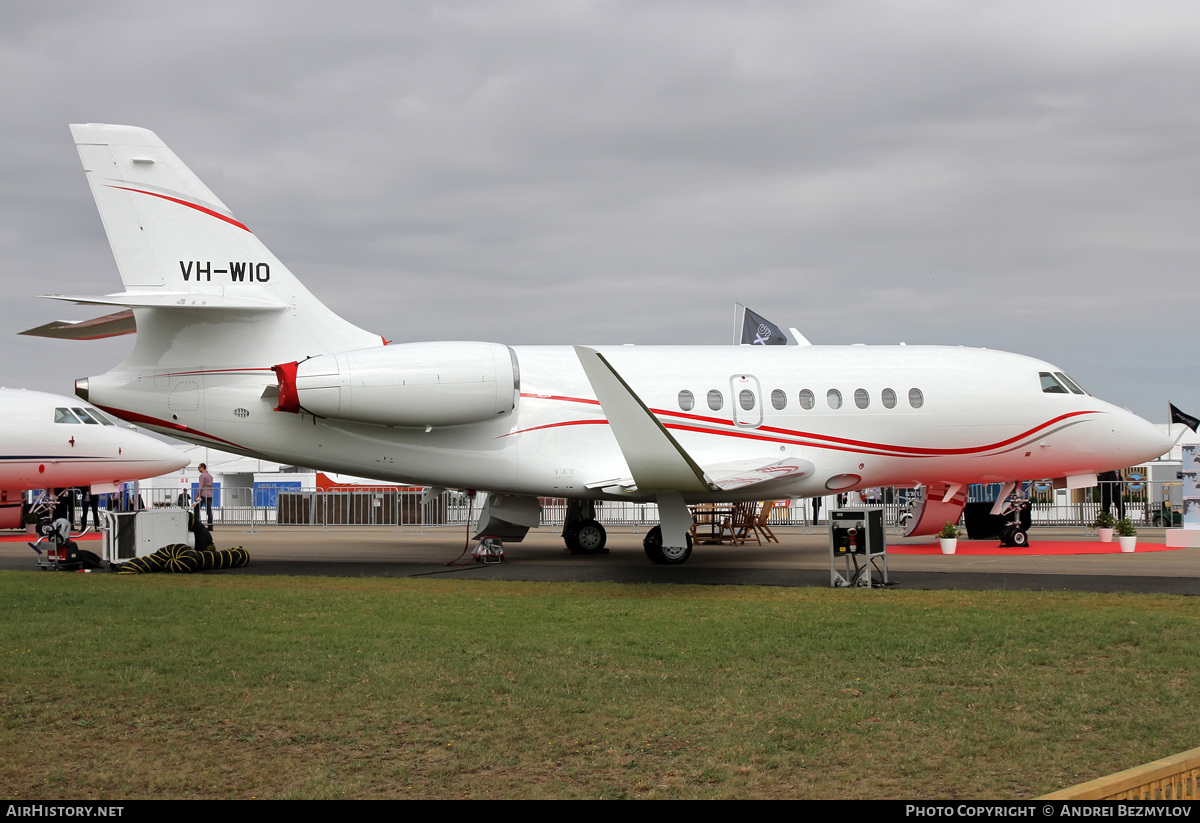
[
  {"x": 666, "y": 556},
  {"x": 670, "y": 542},
  {"x": 582, "y": 533}
]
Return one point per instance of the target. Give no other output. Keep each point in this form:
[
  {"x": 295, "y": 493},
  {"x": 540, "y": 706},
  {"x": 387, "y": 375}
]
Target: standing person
[
  {"x": 89, "y": 501},
  {"x": 204, "y": 495}
]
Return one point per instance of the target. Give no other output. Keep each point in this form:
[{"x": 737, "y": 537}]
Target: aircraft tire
[
  {"x": 653, "y": 546},
  {"x": 1019, "y": 539},
  {"x": 589, "y": 537}
]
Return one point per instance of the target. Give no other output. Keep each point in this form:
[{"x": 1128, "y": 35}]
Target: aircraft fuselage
[{"x": 907, "y": 415}]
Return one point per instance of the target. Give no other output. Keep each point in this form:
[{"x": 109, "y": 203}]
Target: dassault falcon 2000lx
[
  {"x": 233, "y": 352},
  {"x": 50, "y": 442}
]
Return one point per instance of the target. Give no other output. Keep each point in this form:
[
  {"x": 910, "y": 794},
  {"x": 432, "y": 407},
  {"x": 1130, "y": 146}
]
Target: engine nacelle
[{"x": 410, "y": 384}]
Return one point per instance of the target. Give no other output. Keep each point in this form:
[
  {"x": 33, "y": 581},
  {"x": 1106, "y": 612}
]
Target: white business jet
[
  {"x": 50, "y": 442},
  {"x": 233, "y": 352}
]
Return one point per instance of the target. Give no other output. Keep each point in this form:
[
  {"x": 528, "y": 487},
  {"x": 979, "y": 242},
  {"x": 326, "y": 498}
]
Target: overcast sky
[{"x": 1020, "y": 176}]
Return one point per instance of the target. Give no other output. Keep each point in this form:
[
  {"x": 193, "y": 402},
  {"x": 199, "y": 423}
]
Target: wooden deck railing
[{"x": 1172, "y": 778}]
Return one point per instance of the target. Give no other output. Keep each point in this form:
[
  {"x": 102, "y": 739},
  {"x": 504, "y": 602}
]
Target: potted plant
[
  {"x": 948, "y": 538},
  {"x": 1104, "y": 526},
  {"x": 31, "y": 521},
  {"x": 1126, "y": 534}
]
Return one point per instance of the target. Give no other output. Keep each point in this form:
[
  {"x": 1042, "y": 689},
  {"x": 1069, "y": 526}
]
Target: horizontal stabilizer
[
  {"x": 656, "y": 459},
  {"x": 110, "y": 325},
  {"x": 171, "y": 300}
]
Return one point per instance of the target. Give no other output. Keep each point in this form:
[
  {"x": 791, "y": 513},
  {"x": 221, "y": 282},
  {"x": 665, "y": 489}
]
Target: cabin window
[
  {"x": 889, "y": 398},
  {"x": 65, "y": 416},
  {"x": 834, "y": 398},
  {"x": 915, "y": 398},
  {"x": 1070, "y": 384},
  {"x": 746, "y": 399},
  {"x": 779, "y": 399},
  {"x": 686, "y": 401},
  {"x": 1050, "y": 385},
  {"x": 715, "y": 400},
  {"x": 861, "y": 398},
  {"x": 807, "y": 399}
]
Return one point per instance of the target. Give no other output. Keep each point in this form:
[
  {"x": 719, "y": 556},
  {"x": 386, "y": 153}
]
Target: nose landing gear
[{"x": 1015, "y": 533}]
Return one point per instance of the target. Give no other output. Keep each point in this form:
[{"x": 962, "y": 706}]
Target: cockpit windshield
[
  {"x": 1059, "y": 383},
  {"x": 1071, "y": 384},
  {"x": 1050, "y": 384}
]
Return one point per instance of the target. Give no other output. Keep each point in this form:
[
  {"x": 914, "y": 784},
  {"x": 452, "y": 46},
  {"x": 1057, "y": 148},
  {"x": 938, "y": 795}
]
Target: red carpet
[
  {"x": 1035, "y": 548},
  {"x": 22, "y": 537}
]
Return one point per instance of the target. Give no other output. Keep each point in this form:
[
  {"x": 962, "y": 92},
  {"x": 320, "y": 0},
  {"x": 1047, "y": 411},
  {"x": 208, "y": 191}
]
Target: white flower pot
[
  {"x": 1127, "y": 543},
  {"x": 1105, "y": 535},
  {"x": 949, "y": 544}
]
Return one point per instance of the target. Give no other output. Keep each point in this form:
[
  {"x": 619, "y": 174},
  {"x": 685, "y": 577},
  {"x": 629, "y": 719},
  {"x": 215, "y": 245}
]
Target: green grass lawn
[{"x": 227, "y": 686}]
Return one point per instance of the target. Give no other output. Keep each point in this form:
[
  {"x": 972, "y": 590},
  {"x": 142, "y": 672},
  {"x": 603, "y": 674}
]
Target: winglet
[{"x": 655, "y": 458}]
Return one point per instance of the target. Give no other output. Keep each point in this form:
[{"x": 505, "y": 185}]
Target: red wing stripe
[
  {"x": 557, "y": 425},
  {"x": 195, "y": 206},
  {"x": 559, "y": 397}
]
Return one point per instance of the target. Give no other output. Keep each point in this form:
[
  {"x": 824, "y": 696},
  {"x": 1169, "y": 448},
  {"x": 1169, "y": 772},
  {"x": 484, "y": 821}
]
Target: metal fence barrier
[{"x": 402, "y": 509}]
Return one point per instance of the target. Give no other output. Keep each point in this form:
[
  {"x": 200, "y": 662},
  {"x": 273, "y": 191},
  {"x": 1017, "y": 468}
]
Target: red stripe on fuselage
[
  {"x": 826, "y": 441},
  {"x": 134, "y": 417}
]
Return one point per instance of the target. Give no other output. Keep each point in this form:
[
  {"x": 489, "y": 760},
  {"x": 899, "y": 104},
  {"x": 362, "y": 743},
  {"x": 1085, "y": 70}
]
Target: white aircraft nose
[
  {"x": 157, "y": 457},
  {"x": 1140, "y": 440}
]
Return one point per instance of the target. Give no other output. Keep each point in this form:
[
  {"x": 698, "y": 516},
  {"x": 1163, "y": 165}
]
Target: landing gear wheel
[
  {"x": 589, "y": 537},
  {"x": 1014, "y": 537},
  {"x": 653, "y": 545}
]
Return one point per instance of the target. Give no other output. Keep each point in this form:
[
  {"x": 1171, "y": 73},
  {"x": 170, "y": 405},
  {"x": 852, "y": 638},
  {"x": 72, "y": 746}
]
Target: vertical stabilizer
[{"x": 201, "y": 285}]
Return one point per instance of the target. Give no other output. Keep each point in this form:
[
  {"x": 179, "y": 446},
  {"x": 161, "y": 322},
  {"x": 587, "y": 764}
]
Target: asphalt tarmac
[{"x": 801, "y": 558}]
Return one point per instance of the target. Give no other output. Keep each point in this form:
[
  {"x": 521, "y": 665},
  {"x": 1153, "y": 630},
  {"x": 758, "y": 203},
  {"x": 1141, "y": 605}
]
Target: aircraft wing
[
  {"x": 657, "y": 460},
  {"x": 768, "y": 474},
  {"x": 741, "y": 474}
]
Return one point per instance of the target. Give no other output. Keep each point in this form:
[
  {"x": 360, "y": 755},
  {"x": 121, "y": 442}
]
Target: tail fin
[{"x": 187, "y": 264}]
